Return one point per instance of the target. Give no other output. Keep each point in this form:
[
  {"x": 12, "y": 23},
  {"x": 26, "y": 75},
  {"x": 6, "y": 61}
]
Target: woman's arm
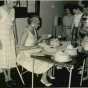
[
  {"x": 25, "y": 42},
  {"x": 22, "y": 40}
]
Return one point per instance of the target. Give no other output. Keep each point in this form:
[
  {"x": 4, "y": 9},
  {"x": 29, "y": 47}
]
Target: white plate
[
  {"x": 38, "y": 54},
  {"x": 62, "y": 57},
  {"x": 64, "y": 61},
  {"x": 36, "y": 50}
]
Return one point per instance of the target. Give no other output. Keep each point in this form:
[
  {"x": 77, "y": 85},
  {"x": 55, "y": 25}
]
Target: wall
[
  {"x": 21, "y": 24},
  {"x": 48, "y": 11}
]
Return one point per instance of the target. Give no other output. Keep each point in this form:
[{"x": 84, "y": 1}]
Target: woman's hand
[{"x": 80, "y": 48}]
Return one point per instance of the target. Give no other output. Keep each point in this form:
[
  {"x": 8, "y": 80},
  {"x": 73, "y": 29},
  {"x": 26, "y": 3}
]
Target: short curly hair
[
  {"x": 31, "y": 19},
  {"x": 78, "y": 7}
]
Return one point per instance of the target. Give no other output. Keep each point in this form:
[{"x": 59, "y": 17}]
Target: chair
[
  {"x": 82, "y": 74},
  {"x": 32, "y": 65},
  {"x": 84, "y": 67}
]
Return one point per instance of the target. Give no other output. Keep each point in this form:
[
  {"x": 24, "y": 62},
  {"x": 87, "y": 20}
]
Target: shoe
[
  {"x": 8, "y": 79},
  {"x": 85, "y": 78},
  {"x": 80, "y": 72},
  {"x": 11, "y": 83},
  {"x": 80, "y": 68},
  {"x": 58, "y": 67},
  {"x": 46, "y": 83},
  {"x": 51, "y": 77}
]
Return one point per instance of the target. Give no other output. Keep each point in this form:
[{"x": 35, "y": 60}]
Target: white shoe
[
  {"x": 51, "y": 77},
  {"x": 80, "y": 72},
  {"x": 46, "y": 83},
  {"x": 80, "y": 68},
  {"x": 85, "y": 78},
  {"x": 58, "y": 67},
  {"x": 8, "y": 79}
]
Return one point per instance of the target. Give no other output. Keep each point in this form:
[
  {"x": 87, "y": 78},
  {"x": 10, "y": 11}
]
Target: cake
[
  {"x": 54, "y": 42},
  {"x": 62, "y": 57},
  {"x": 85, "y": 43},
  {"x": 70, "y": 50}
]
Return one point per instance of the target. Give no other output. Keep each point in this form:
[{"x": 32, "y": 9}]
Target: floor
[{"x": 61, "y": 80}]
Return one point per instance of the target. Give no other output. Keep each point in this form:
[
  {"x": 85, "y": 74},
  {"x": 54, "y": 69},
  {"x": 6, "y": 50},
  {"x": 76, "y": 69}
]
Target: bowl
[
  {"x": 62, "y": 57},
  {"x": 70, "y": 50}
]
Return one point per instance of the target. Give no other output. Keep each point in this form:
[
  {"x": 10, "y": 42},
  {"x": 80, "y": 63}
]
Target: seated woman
[{"x": 28, "y": 41}]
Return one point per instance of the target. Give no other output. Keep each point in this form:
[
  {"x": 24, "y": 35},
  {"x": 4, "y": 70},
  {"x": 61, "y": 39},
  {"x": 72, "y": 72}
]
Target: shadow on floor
[{"x": 61, "y": 80}]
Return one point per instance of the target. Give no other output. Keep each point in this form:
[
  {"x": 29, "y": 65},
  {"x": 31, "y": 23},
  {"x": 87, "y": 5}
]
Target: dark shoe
[
  {"x": 85, "y": 78},
  {"x": 11, "y": 84}
]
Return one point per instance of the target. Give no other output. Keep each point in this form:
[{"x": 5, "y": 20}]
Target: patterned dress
[
  {"x": 7, "y": 43},
  {"x": 75, "y": 29}
]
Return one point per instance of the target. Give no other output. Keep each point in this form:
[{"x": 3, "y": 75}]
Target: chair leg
[
  {"x": 70, "y": 76},
  {"x": 51, "y": 73},
  {"x": 82, "y": 73},
  {"x": 20, "y": 76}
]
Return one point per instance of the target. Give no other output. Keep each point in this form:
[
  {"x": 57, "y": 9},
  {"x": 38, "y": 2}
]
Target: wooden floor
[{"x": 61, "y": 80}]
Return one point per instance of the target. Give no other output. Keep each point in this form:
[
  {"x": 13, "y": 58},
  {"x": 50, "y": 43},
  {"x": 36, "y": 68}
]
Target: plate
[
  {"x": 38, "y": 54},
  {"x": 36, "y": 50},
  {"x": 62, "y": 57},
  {"x": 63, "y": 61}
]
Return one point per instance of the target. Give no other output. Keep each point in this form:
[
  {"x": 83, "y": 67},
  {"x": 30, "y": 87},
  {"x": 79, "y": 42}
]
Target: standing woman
[
  {"x": 67, "y": 24},
  {"x": 84, "y": 34},
  {"x": 78, "y": 12},
  {"x": 7, "y": 40}
]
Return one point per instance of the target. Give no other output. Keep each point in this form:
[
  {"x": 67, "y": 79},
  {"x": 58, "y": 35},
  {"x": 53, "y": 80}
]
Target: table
[
  {"x": 69, "y": 66},
  {"x": 47, "y": 54},
  {"x": 41, "y": 56}
]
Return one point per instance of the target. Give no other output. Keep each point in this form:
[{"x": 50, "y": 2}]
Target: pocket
[{"x": 0, "y": 45}]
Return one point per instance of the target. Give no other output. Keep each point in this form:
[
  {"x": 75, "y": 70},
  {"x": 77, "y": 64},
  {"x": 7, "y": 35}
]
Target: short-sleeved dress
[{"x": 24, "y": 57}]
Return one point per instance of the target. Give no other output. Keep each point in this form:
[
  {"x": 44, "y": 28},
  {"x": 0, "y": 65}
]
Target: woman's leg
[
  {"x": 44, "y": 80},
  {"x": 7, "y": 73}
]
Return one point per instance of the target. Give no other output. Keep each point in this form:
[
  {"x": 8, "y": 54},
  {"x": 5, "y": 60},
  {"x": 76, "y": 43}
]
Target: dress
[
  {"x": 67, "y": 26},
  {"x": 7, "y": 41},
  {"x": 75, "y": 29},
  {"x": 24, "y": 57}
]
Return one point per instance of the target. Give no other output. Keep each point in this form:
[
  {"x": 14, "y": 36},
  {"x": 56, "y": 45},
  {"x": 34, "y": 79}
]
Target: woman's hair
[
  {"x": 1, "y": 3},
  {"x": 70, "y": 9},
  {"x": 31, "y": 19},
  {"x": 78, "y": 7},
  {"x": 85, "y": 3}
]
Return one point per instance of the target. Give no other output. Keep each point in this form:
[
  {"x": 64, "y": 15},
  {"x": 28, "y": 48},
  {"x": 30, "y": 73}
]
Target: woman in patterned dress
[{"x": 7, "y": 40}]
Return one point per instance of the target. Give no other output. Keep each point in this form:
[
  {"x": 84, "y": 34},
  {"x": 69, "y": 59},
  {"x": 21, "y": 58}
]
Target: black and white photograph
[{"x": 43, "y": 43}]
